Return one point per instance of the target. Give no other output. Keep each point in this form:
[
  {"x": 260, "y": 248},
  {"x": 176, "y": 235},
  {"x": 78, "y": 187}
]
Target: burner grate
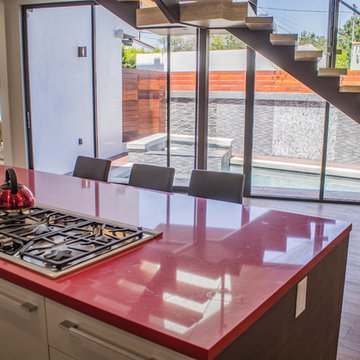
[
  {"x": 54, "y": 242},
  {"x": 62, "y": 249}
]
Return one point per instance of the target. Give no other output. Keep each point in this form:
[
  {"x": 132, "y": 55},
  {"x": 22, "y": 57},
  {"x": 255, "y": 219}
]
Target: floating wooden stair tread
[
  {"x": 331, "y": 72},
  {"x": 221, "y": 13},
  {"x": 284, "y": 39},
  {"x": 176, "y": 30},
  {"x": 147, "y": 3},
  {"x": 150, "y": 16},
  {"x": 210, "y": 14},
  {"x": 143, "y": 3},
  {"x": 260, "y": 22},
  {"x": 308, "y": 55},
  {"x": 350, "y": 88}
]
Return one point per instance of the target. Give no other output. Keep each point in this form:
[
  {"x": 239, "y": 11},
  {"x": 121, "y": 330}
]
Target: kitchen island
[{"x": 223, "y": 280}]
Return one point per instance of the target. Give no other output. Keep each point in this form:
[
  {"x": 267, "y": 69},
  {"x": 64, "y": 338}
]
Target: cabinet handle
[
  {"x": 73, "y": 329},
  {"x": 26, "y": 306}
]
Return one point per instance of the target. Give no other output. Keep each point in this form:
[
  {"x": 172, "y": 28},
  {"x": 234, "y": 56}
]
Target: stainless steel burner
[{"x": 54, "y": 242}]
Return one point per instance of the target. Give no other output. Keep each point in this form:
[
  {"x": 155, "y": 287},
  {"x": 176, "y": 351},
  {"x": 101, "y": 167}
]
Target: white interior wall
[
  {"x": 60, "y": 86},
  {"x": 109, "y": 83}
]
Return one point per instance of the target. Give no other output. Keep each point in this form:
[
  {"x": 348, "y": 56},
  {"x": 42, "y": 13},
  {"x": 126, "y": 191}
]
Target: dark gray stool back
[
  {"x": 91, "y": 168},
  {"x": 152, "y": 177},
  {"x": 217, "y": 185}
]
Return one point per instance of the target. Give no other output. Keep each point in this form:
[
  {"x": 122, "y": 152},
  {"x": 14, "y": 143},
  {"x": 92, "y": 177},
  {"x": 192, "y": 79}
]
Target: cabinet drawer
[
  {"x": 84, "y": 338},
  {"x": 58, "y": 355},
  {"x": 22, "y": 324}
]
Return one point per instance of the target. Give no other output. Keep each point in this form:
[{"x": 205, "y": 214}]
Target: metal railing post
[
  {"x": 330, "y": 63},
  {"x": 249, "y": 115},
  {"x": 332, "y": 32}
]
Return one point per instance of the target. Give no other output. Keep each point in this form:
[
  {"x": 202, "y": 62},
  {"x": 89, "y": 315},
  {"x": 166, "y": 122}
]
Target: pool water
[{"x": 284, "y": 183}]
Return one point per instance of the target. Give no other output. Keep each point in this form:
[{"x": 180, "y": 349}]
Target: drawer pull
[
  {"x": 73, "y": 329},
  {"x": 26, "y": 306}
]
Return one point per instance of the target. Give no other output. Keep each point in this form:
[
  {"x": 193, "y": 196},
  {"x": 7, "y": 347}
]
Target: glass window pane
[
  {"x": 182, "y": 107},
  {"x": 342, "y": 179},
  {"x": 144, "y": 97},
  {"x": 226, "y": 102},
  {"x": 288, "y": 135}
]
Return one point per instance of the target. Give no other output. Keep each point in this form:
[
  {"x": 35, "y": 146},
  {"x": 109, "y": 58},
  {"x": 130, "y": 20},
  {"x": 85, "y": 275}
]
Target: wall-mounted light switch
[
  {"x": 301, "y": 297},
  {"x": 82, "y": 51},
  {"x": 80, "y": 141}
]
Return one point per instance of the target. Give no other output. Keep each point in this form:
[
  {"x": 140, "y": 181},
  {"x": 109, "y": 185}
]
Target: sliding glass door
[
  {"x": 226, "y": 102},
  {"x": 288, "y": 135},
  {"x": 342, "y": 180}
]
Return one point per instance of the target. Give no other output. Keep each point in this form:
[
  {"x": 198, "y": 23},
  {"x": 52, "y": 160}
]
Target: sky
[{"x": 294, "y": 16}]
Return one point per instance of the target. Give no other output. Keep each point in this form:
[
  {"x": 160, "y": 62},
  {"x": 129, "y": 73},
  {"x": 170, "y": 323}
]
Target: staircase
[
  {"x": 257, "y": 32},
  {"x": 302, "y": 65}
]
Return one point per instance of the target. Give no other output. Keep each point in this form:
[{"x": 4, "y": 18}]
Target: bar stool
[
  {"x": 216, "y": 185},
  {"x": 152, "y": 177},
  {"x": 92, "y": 168}
]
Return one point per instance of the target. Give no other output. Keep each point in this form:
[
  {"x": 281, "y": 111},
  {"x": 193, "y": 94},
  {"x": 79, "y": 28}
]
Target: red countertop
[{"x": 215, "y": 270}]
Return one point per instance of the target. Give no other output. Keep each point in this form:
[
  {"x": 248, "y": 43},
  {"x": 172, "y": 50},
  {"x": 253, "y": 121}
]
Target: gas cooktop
[{"x": 55, "y": 242}]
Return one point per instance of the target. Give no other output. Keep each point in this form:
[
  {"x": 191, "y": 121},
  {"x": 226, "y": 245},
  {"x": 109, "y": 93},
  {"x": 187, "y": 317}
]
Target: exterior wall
[
  {"x": 355, "y": 56},
  {"x": 272, "y": 134},
  {"x": 279, "y": 119},
  {"x": 343, "y": 139},
  {"x": 297, "y": 128}
]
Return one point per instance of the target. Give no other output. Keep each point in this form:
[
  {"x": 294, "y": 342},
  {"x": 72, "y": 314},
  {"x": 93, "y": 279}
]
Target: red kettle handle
[{"x": 10, "y": 178}]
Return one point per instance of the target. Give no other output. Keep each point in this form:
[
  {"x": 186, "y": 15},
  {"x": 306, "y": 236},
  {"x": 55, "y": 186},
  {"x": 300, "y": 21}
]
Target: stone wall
[
  {"x": 343, "y": 141},
  {"x": 287, "y": 125}
]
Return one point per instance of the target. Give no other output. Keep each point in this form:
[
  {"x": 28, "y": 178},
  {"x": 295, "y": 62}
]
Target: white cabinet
[
  {"x": 58, "y": 355},
  {"x": 84, "y": 338},
  {"x": 22, "y": 324},
  {"x": 35, "y": 328}
]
